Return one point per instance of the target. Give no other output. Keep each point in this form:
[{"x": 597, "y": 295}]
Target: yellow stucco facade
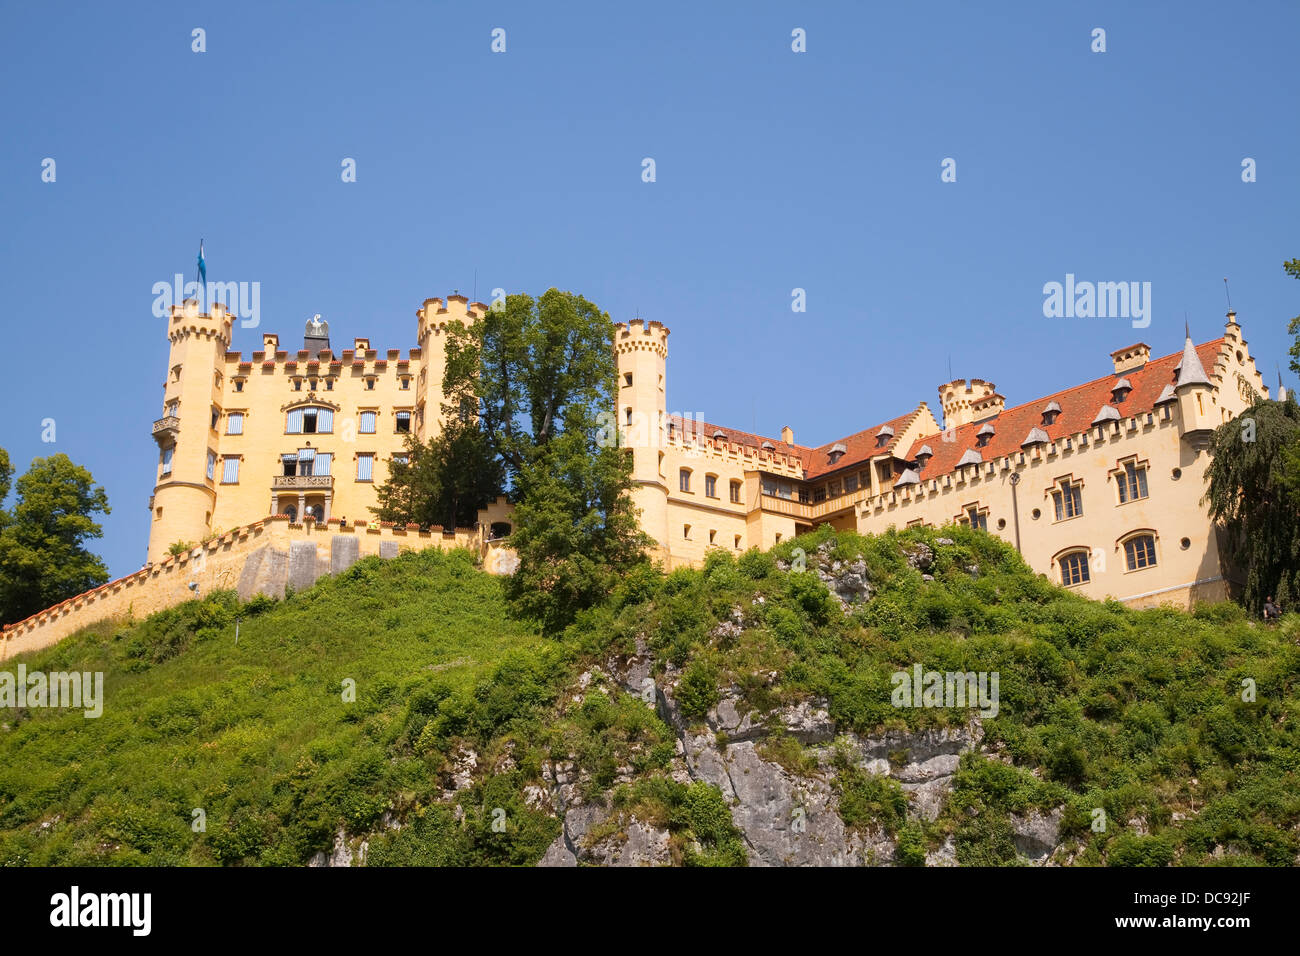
[
  {"x": 268, "y": 467},
  {"x": 303, "y": 429},
  {"x": 1099, "y": 486}
]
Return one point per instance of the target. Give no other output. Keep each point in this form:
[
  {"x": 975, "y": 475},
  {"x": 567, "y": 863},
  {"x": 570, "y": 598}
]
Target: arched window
[
  {"x": 1074, "y": 567},
  {"x": 310, "y": 420},
  {"x": 684, "y": 479},
  {"x": 710, "y": 486},
  {"x": 735, "y": 492},
  {"x": 1140, "y": 551}
]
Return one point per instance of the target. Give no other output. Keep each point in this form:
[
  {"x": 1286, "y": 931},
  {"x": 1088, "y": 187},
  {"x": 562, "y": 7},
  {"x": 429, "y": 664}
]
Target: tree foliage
[
  {"x": 541, "y": 375},
  {"x": 443, "y": 481},
  {"x": 1254, "y": 491},
  {"x": 1292, "y": 268},
  {"x": 43, "y": 558}
]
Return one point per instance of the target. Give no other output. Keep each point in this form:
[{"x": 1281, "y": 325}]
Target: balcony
[
  {"x": 302, "y": 483},
  {"x": 165, "y": 430}
]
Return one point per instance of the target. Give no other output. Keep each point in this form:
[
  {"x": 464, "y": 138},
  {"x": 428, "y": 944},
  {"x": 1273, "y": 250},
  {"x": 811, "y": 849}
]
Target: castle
[
  {"x": 267, "y": 468},
  {"x": 304, "y": 432},
  {"x": 1098, "y": 486}
]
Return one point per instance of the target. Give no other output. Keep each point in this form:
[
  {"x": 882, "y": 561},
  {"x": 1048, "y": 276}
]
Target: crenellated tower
[
  {"x": 964, "y": 402},
  {"x": 641, "y": 353},
  {"x": 185, "y": 495},
  {"x": 431, "y": 334}
]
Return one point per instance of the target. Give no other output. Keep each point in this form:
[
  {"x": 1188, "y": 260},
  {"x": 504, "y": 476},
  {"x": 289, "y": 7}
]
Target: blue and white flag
[{"x": 203, "y": 267}]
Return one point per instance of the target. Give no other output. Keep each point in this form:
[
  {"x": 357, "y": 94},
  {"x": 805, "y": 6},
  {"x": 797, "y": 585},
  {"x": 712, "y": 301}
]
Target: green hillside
[{"x": 1139, "y": 714}]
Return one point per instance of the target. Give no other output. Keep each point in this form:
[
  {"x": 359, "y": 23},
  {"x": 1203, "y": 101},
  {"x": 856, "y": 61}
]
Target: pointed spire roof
[{"x": 1190, "y": 369}]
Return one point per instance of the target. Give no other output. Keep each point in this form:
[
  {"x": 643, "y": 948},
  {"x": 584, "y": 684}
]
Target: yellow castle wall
[
  {"x": 260, "y": 558},
  {"x": 188, "y": 505},
  {"x": 1173, "y": 510}
]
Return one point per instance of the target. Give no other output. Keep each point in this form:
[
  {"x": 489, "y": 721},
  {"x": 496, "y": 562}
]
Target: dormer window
[
  {"x": 837, "y": 451},
  {"x": 883, "y": 436},
  {"x": 1119, "y": 391},
  {"x": 1050, "y": 412},
  {"x": 768, "y": 446},
  {"x": 984, "y": 434},
  {"x": 923, "y": 456}
]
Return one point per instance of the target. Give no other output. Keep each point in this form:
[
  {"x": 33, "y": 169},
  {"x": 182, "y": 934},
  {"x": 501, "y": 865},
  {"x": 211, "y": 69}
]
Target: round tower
[
  {"x": 185, "y": 495},
  {"x": 431, "y": 335},
  {"x": 641, "y": 353},
  {"x": 958, "y": 398}
]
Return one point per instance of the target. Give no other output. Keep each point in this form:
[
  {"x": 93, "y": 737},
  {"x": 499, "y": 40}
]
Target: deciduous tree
[
  {"x": 43, "y": 558},
  {"x": 1254, "y": 491}
]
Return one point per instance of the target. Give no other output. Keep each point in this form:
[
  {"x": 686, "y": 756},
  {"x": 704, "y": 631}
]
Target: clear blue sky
[{"x": 775, "y": 170}]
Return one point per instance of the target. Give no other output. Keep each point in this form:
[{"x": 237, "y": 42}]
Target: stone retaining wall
[{"x": 260, "y": 558}]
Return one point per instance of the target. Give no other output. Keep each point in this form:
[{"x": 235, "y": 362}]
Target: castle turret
[
  {"x": 641, "y": 352},
  {"x": 1195, "y": 394},
  {"x": 965, "y": 402},
  {"x": 431, "y": 334},
  {"x": 185, "y": 489}
]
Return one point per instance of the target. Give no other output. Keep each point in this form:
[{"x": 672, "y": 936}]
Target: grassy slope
[
  {"x": 256, "y": 734},
  {"x": 1138, "y": 713}
]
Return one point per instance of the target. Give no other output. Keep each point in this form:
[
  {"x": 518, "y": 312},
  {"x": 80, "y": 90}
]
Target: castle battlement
[
  {"x": 748, "y": 456},
  {"x": 965, "y": 478},
  {"x": 638, "y": 334}
]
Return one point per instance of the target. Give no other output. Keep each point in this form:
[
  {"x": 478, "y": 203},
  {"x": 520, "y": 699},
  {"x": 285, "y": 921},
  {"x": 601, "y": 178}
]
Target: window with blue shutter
[
  {"x": 167, "y": 460},
  {"x": 325, "y": 420},
  {"x": 230, "y": 471},
  {"x": 365, "y": 467},
  {"x": 323, "y": 461},
  {"x": 367, "y": 423},
  {"x": 295, "y": 422},
  {"x": 235, "y": 423},
  {"x": 212, "y": 465}
]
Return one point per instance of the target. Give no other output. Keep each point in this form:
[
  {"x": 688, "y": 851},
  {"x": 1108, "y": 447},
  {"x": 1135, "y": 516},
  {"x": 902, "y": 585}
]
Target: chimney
[
  {"x": 787, "y": 435},
  {"x": 270, "y": 343},
  {"x": 1130, "y": 358}
]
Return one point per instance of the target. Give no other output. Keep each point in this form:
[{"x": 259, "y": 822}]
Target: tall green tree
[
  {"x": 444, "y": 481},
  {"x": 1292, "y": 268},
  {"x": 6, "y": 478},
  {"x": 43, "y": 556},
  {"x": 575, "y": 530},
  {"x": 540, "y": 375},
  {"x": 1254, "y": 492}
]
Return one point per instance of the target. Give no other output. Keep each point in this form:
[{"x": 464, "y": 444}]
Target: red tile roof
[
  {"x": 1079, "y": 408},
  {"x": 736, "y": 437},
  {"x": 861, "y": 447}
]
